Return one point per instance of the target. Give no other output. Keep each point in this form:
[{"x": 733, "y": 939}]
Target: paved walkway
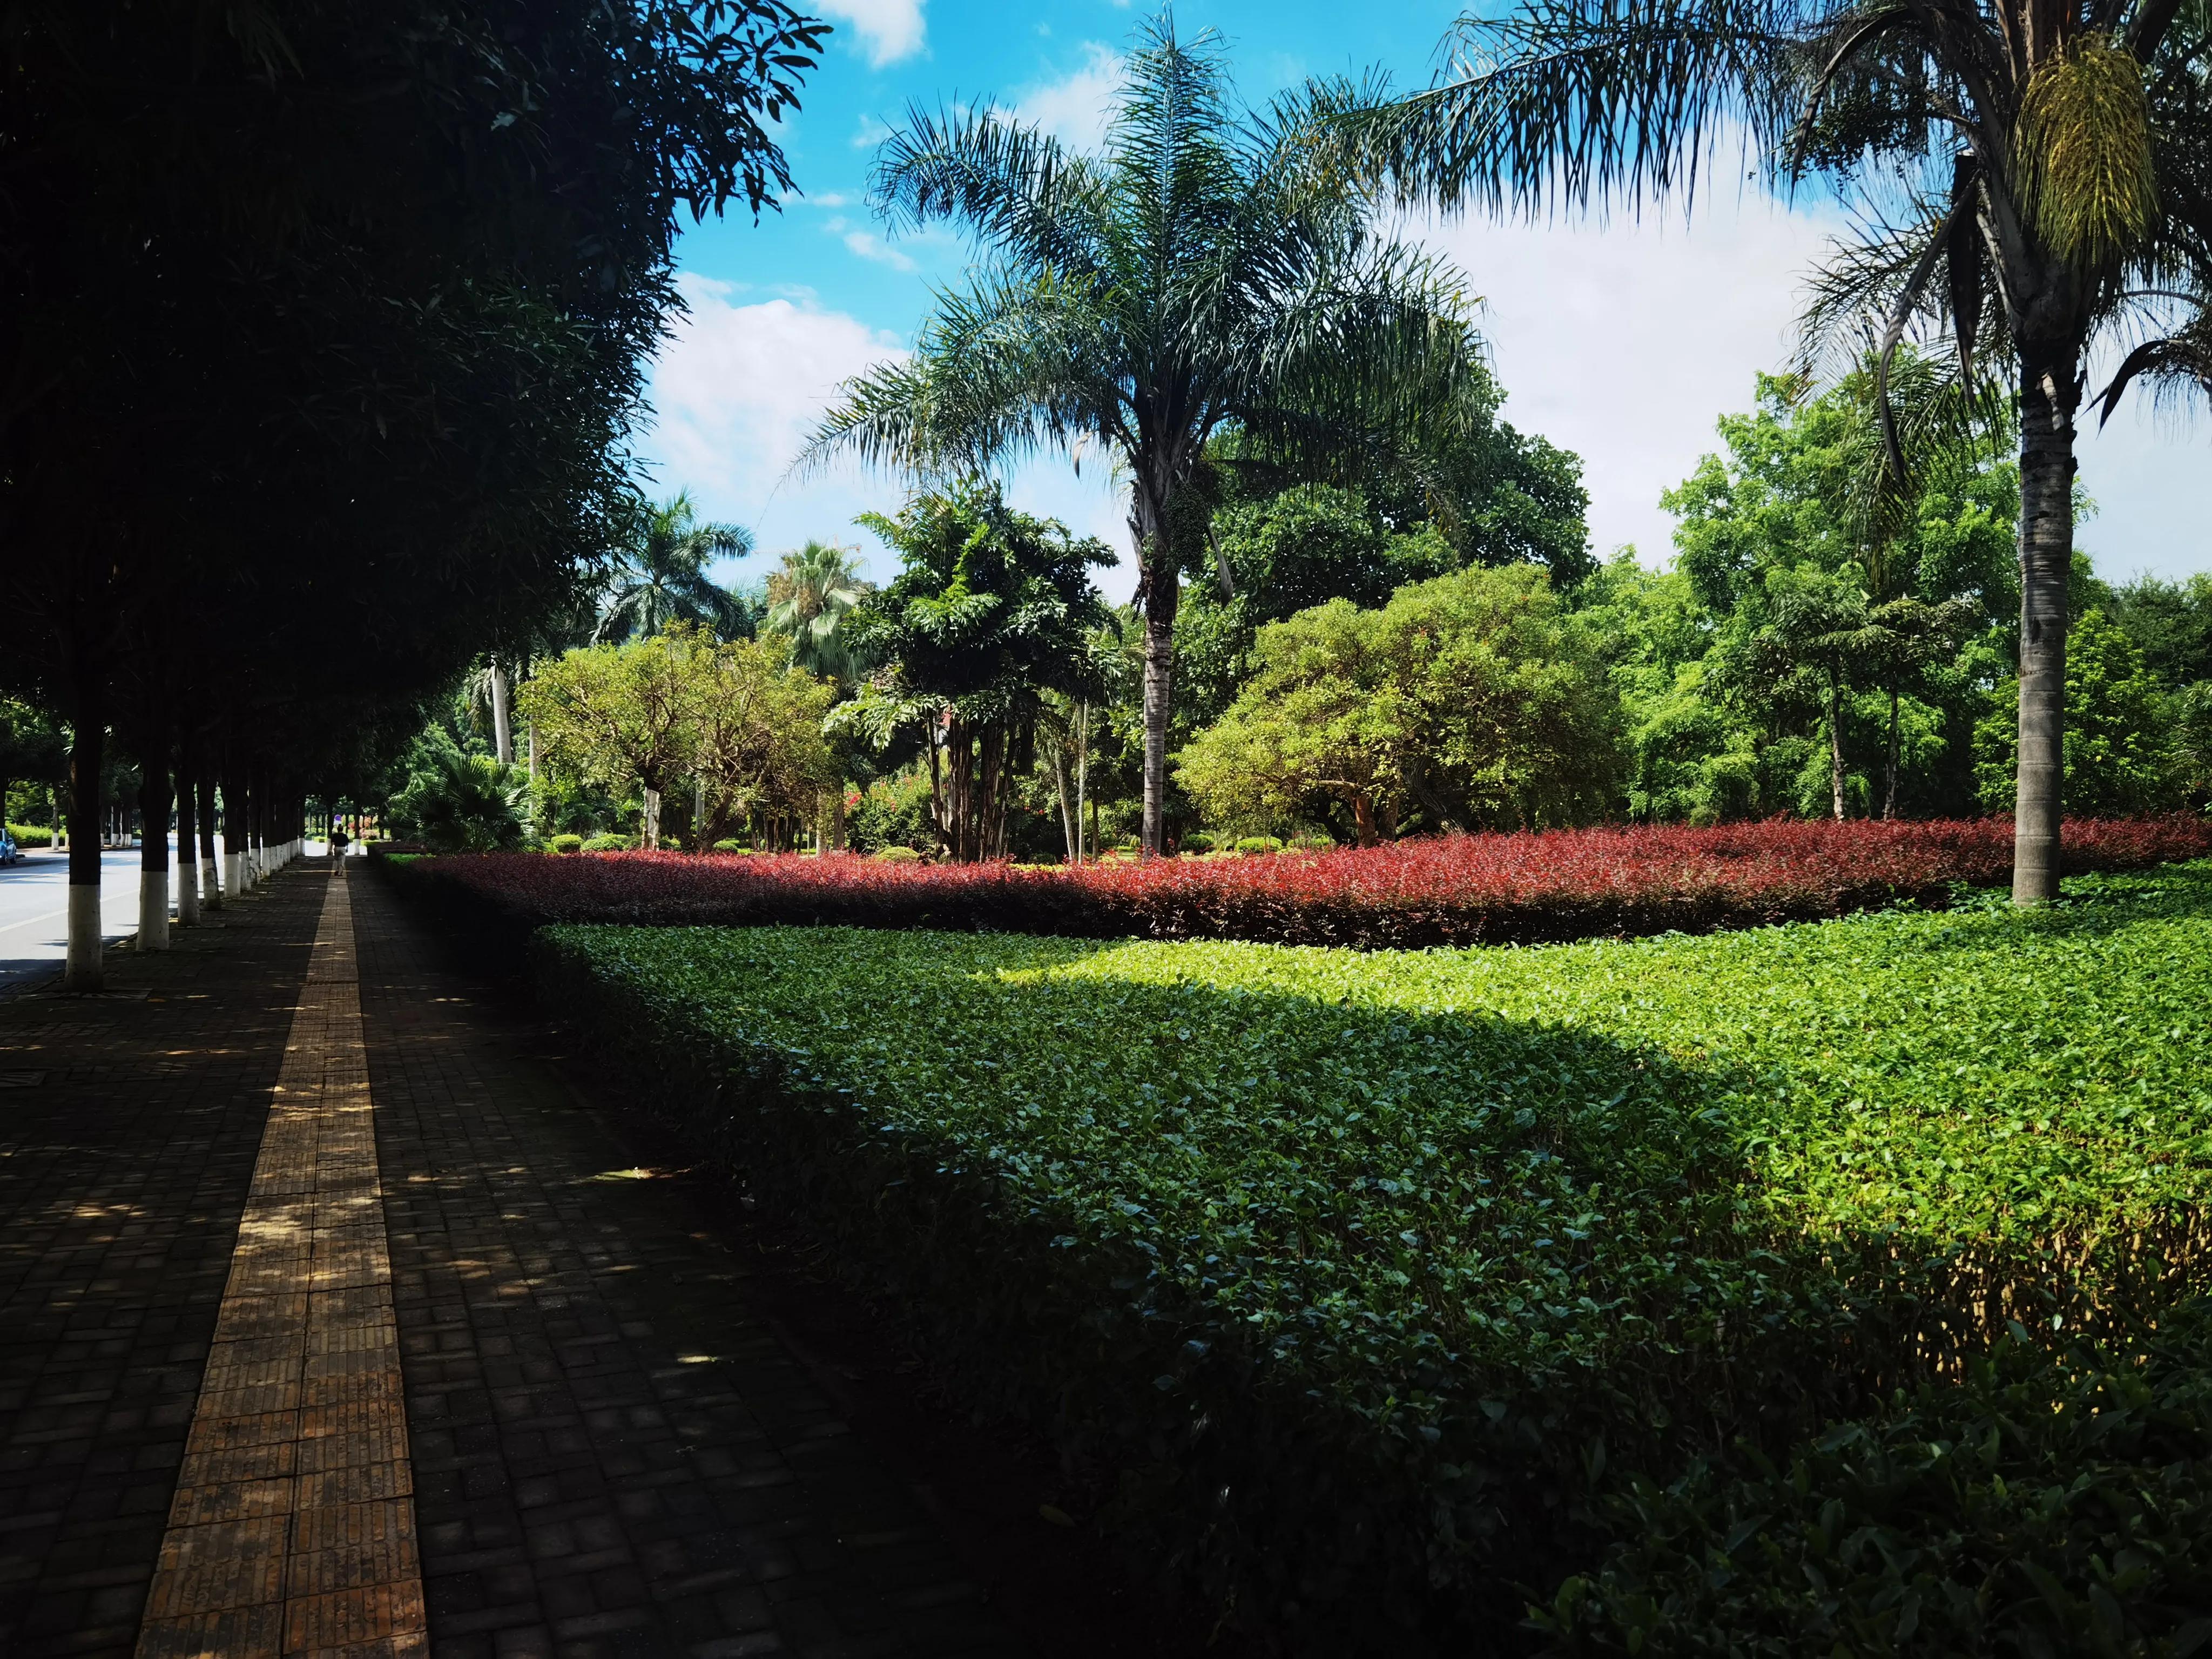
[{"x": 328, "y": 1324}]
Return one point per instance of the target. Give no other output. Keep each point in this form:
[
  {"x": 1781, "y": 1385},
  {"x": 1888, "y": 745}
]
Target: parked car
[{"x": 9, "y": 853}]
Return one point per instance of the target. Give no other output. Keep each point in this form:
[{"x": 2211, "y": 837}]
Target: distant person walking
[{"x": 339, "y": 841}]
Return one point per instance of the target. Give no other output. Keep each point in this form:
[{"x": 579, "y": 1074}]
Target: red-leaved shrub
[{"x": 1455, "y": 889}]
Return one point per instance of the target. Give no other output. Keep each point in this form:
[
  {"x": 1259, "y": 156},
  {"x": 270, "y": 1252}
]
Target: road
[{"x": 34, "y": 911}]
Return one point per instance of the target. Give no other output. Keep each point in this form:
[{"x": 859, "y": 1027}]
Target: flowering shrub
[{"x": 1462, "y": 890}]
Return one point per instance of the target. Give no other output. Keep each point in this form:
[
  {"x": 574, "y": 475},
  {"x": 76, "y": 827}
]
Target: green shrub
[
  {"x": 732, "y": 845},
  {"x": 1253, "y": 846},
  {"x": 2041, "y": 1505},
  {"x": 898, "y": 855},
  {"x": 1197, "y": 841},
  {"x": 567, "y": 843},
  {"x": 1356, "y": 1271},
  {"x": 29, "y": 837},
  {"x": 608, "y": 844}
]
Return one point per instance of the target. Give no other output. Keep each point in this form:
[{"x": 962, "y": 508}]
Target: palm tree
[
  {"x": 1206, "y": 273},
  {"x": 808, "y": 595},
  {"x": 2050, "y": 153},
  {"x": 660, "y": 575}
]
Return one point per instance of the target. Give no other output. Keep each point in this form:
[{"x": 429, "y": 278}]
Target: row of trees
[{"x": 325, "y": 330}]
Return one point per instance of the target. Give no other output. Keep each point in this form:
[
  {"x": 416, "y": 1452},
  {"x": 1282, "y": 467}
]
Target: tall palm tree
[
  {"x": 660, "y": 575},
  {"x": 2034, "y": 171},
  {"x": 1206, "y": 272},
  {"x": 808, "y": 596}
]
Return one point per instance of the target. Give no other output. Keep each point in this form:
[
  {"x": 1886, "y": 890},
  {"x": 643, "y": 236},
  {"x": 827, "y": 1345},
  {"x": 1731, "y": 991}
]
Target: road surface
[{"x": 34, "y": 911}]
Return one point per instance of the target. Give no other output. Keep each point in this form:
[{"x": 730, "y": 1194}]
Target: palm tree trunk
[
  {"x": 2047, "y": 383},
  {"x": 1836, "y": 740},
  {"x": 88, "y": 739},
  {"x": 502, "y": 730}
]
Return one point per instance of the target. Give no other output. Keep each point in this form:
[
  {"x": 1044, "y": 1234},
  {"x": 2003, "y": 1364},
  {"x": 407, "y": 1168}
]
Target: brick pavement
[
  {"x": 128, "y": 1124},
  {"x": 613, "y": 1453}
]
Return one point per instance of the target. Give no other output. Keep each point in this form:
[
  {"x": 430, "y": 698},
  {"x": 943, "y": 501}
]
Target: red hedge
[{"x": 1458, "y": 890}]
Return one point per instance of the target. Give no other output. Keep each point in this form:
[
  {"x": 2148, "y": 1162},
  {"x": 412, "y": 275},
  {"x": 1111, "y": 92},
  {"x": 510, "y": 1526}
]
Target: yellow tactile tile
[{"x": 293, "y": 1528}]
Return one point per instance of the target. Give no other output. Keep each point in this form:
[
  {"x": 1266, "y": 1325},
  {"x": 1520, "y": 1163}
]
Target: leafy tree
[
  {"x": 381, "y": 282},
  {"x": 1209, "y": 271},
  {"x": 661, "y": 575},
  {"x": 2051, "y": 157},
  {"x": 2116, "y": 738},
  {"x": 615, "y": 715},
  {"x": 757, "y": 743},
  {"x": 1471, "y": 700},
  {"x": 987, "y": 614}
]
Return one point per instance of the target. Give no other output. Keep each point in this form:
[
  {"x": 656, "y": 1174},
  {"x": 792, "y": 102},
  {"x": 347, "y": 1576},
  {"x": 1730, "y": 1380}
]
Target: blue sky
[{"x": 1623, "y": 341}]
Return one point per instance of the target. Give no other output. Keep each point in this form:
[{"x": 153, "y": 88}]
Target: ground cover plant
[
  {"x": 1354, "y": 1274},
  {"x": 1462, "y": 890}
]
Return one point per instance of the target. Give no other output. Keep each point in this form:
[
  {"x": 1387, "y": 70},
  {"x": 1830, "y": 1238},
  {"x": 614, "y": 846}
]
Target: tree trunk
[
  {"x": 2048, "y": 389},
  {"x": 88, "y": 739},
  {"x": 1083, "y": 779},
  {"x": 530, "y": 742},
  {"x": 210, "y": 889},
  {"x": 188, "y": 840},
  {"x": 1067, "y": 816},
  {"x": 1836, "y": 740},
  {"x": 1160, "y": 596},
  {"x": 502, "y": 730},
  {"x": 652, "y": 826},
  {"x": 837, "y": 818},
  {"x": 1889, "y": 784},
  {"x": 153, "y": 847}
]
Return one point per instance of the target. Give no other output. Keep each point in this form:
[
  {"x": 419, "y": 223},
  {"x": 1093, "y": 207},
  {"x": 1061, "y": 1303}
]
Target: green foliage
[
  {"x": 896, "y": 855},
  {"x": 565, "y": 844},
  {"x": 808, "y": 596},
  {"x": 608, "y": 844},
  {"x": 2040, "y": 1505},
  {"x": 1391, "y": 1246},
  {"x": 30, "y": 836},
  {"x": 992, "y": 610},
  {"x": 458, "y": 803},
  {"x": 2119, "y": 760},
  {"x": 1471, "y": 700},
  {"x": 892, "y": 811}
]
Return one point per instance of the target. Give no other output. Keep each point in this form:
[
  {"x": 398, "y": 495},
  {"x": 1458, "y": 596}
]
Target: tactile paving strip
[{"x": 293, "y": 1529}]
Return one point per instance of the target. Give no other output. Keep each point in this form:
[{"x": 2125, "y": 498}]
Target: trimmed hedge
[
  {"x": 1465, "y": 890},
  {"x": 1354, "y": 1275}
]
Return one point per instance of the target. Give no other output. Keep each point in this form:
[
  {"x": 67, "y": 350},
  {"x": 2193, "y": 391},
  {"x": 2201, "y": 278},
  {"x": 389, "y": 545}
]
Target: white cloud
[
  {"x": 869, "y": 133},
  {"x": 737, "y": 390},
  {"x": 891, "y": 29},
  {"x": 1074, "y": 109},
  {"x": 867, "y": 245},
  {"x": 1624, "y": 343}
]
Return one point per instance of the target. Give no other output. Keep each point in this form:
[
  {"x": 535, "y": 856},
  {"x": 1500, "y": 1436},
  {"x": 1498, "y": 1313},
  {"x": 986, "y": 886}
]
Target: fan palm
[
  {"x": 660, "y": 575},
  {"x": 808, "y": 595},
  {"x": 2033, "y": 172},
  {"x": 1205, "y": 272}
]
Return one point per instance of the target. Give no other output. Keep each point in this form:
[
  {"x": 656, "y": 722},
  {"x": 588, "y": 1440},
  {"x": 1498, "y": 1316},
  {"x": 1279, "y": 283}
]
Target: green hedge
[
  {"x": 30, "y": 836},
  {"x": 1357, "y": 1274}
]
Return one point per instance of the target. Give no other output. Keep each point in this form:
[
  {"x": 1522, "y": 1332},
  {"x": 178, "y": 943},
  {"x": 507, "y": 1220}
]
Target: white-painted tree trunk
[
  {"x": 233, "y": 867},
  {"x": 210, "y": 885},
  {"x": 153, "y": 910},
  {"x": 652, "y": 820},
  {"x": 188, "y": 886},
  {"x": 82, "y": 971}
]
